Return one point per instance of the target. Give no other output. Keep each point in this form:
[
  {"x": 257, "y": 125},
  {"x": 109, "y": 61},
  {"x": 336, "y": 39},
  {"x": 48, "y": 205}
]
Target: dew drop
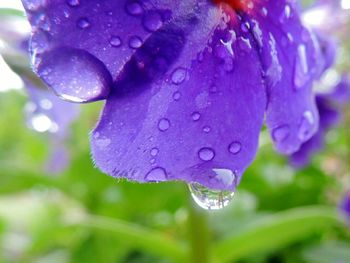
[
  {"x": 75, "y": 75},
  {"x": 135, "y": 42},
  {"x": 196, "y": 116},
  {"x": 235, "y": 147},
  {"x": 152, "y": 21},
  {"x": 134, "y": 9},
  {"x": 163, "y": 124},
  {"x": 157, "y": 174},
  {"x": 73, "y": 2},
  {"x": 206, "y": 129},
  {"x": 210, "y": 199},
  {"x": 154, "y": 152},
  {"x": 83, "y": 23},
  {"x": 177, "y": 96},
  {"x": 115, "y": 41},
  {"x": 301, "y": 68},
  {"x": 280, "y": 133},
  {"x": 206, "y": 154},
  {"x": 306, "y": 125},
  {"x": 179, "y": 76}
]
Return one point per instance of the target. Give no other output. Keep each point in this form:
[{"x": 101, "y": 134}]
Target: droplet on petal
[
  {"x": 152, "y": 21},
  {"x": 206, "y": 154},
  {"x": 115, "y": 41},
  {"x": 179, "y": 76},
  {"x": 163, "y": 124},
  {"x": 73, "y": 2},
  {"x": 157, "y": 174},
  {"x": 301, "y": 68},
  {"x": 306, "y": 125},
  {"x": 280, "y": 133},
  {"x": 210, "y": 199},
  {"x": 235, "y": 147},
  {"x": 83, "y": 23},
  {"x": 75, "y": 75}
]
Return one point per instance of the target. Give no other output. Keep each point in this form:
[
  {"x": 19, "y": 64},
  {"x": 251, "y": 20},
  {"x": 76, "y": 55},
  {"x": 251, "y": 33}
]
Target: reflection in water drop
[{"x": 210, "y": 199}]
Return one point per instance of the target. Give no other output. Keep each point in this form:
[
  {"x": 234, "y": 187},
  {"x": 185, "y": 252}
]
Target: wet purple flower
[
  {"x": 329, "y": 107},
  {"x": 187, "y": 83},
  {"x": 344, "y": 206}
]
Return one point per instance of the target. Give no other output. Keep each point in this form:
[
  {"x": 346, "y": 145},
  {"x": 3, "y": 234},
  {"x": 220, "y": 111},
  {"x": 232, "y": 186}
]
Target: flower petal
[
  {"x": 290, "y": 58},
  {"x": 79, "y": 47},
  {"x": 199, "y": 123}
]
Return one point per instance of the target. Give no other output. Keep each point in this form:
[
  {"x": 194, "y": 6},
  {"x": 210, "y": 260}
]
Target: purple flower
[
  {"x": 187, "y": 83},
  {"x": 344, "y": 206},
  {"x": 329, "y": 107}
]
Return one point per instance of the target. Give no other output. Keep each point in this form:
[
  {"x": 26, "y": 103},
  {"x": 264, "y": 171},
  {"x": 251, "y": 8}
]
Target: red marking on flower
[{"x": 236, "y": 5}]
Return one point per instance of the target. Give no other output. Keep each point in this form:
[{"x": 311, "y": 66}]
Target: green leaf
[
  {"x": 138, "y": 236},
  {"x": 275, "y": 232}
]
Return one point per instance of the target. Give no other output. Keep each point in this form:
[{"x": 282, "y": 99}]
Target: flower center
[{"x": 235, "y": 4}]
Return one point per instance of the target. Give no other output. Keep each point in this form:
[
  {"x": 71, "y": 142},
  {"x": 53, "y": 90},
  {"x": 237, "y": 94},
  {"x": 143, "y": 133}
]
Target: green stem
[{"x": 198, "y": 234}]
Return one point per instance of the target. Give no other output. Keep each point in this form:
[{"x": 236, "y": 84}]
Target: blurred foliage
[{"x": 82, "y": 215}]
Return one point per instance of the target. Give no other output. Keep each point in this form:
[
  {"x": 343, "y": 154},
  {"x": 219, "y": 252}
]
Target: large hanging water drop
[
  {"x": 210, "y": 199},
  {"x": 75, "y": 75}
]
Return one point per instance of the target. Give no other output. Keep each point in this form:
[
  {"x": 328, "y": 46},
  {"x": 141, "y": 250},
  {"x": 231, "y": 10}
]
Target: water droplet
[
  {"x": 235, "y": 147},
  {"x": 134, "y": 9},
  {"x": 83, "y": 23},
  {"x": 75, "y": 75},
  {"x": 245, "y": 45},
  {"x": 152, "y": 21},
  {"x": 301, "y": 68},
  {"x": 206, "y": 154},
  {"x": 135, "y": 42},
  {"x": 115, "y": 41},
  {"x": 154, "y": 151},
  {"x": 73, "y": 2},
  {"x": 157, "y": 174},
  {"x": 206, "y": 129},
  {"x": 306, "y": 126},
  {"x": 280, "y": 133},
  {"x": 196, "y": 116},
  {"x": 210, "y": 199},
  {"x": 177, "y": 96},
  {"x": 179, "y": 76},
  {"x": 163, "y": 124}
]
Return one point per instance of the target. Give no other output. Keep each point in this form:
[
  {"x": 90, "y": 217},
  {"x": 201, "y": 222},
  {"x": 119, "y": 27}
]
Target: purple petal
[
  {"x": 79, "y": 47},
  {"x": 341, "y": 93},
  {"x": 290, "y": 57},
  {"x": 330, "y": 115},
  {"x": 199, "y": 122}
]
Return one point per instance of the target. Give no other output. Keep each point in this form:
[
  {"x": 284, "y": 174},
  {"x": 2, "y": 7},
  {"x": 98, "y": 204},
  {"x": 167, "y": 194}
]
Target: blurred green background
[{"x": 81, "y": 215}]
